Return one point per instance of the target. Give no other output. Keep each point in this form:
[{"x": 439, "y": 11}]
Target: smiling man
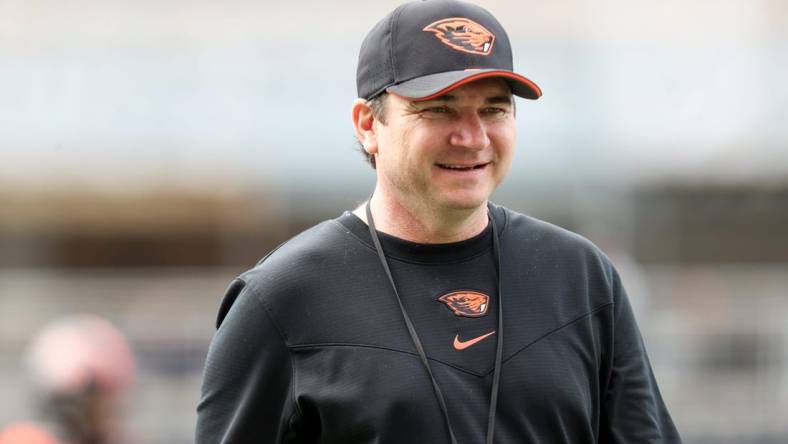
[
  {"x": 438, "y": 160},
  {"x": 428, "y": 314}
]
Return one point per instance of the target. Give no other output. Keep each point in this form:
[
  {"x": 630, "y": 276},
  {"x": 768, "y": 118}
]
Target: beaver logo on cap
[
  {"x": 470, "y": 304},
  {"x": 463, "y": 35}
]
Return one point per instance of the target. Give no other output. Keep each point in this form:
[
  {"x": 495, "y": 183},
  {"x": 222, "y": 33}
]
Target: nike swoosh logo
[{"x": 462, "y": 345}]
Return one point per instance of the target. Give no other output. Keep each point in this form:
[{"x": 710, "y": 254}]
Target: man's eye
[{"x": 494, "y": 110}]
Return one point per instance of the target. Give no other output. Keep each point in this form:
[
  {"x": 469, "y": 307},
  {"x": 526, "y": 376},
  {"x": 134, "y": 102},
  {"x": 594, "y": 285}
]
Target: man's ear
[{"x": 364, "y": 124}]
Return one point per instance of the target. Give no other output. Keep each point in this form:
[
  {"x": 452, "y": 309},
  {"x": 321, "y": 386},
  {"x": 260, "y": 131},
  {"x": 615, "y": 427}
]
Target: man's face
[{"x": 450, "y": 152}]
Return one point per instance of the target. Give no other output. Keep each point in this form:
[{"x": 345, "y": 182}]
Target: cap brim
[{"x": 434, "y": 85}]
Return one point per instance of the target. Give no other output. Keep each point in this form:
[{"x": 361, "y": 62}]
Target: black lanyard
[{"x": 417, "y": 341}]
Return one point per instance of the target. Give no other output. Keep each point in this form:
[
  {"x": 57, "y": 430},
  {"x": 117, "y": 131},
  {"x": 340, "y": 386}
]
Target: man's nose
[{"x": 470, "y": 132}]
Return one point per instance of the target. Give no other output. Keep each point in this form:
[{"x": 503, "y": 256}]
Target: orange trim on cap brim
[{"x": 482, "y": 75}]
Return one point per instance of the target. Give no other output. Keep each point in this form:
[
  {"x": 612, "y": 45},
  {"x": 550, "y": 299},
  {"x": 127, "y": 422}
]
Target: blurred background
[{"x": 150, "y": 151}]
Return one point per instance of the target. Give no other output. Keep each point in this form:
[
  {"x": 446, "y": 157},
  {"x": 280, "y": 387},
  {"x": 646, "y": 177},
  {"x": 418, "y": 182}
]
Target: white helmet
[{"x": 74, "y": 352}]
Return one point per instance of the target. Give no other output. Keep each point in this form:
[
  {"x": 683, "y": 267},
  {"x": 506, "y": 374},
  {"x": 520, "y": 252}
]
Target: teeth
[{"x": 460, "y": 167}]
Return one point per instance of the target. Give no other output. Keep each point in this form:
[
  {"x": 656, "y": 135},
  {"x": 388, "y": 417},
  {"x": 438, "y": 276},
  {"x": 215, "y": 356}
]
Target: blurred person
[
  {"x": 82, "y": 367},
  {"x": 444, "y": 318}
]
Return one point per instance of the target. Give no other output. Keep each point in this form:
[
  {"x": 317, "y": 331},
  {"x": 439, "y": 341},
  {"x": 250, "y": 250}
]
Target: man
[
  {"x": 429, "y": 315},
  {"x": 82, "y": 369}
]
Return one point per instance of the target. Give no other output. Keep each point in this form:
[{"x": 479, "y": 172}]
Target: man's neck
[{"x": 424, "y": 225}]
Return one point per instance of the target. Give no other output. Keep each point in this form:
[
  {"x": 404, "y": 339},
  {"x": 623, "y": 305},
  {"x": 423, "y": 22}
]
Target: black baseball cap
[{"x": 424, "y": 49}]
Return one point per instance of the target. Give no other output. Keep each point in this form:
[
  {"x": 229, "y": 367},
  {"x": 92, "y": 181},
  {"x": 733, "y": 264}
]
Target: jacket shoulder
[
  {"x": 547, "y": 244},
  {"x": 525, "y": 228},
  {"x": 289, "y": 268}
]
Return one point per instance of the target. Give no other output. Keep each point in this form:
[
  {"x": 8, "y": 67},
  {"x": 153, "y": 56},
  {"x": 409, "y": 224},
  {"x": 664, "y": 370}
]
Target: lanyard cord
[{"x": 417, "y": 342}]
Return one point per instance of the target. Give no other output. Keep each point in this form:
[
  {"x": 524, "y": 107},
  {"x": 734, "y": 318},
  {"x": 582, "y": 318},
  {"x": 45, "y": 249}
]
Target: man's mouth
[{"x": 462, "y": 167}]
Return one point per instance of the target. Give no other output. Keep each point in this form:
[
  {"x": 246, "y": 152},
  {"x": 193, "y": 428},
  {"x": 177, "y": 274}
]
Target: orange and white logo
[
  {"x": 470, "y": 304},
  {"x": 463, "y": 35}
]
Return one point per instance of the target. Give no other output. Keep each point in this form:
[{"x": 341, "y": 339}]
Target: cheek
[
  {"x": 392, "y": 156},
  {"x": 406, "y": 146},
  {"x": 386, "y": 144},
  {"x": 503, "y": 137}
]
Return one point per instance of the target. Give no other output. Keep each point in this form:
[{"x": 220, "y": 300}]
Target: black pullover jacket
[{"x": 311, "y": 346}]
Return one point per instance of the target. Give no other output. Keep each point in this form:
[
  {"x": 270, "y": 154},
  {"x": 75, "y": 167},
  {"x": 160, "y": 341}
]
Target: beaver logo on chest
[
  {"x": 463, "y": 35},
  {"x": 471, "y": 304}
]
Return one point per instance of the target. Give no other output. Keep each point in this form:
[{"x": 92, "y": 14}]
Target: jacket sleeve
[
  {"x": 633, "y": 410},
  {"x": 247, "y": 381}
]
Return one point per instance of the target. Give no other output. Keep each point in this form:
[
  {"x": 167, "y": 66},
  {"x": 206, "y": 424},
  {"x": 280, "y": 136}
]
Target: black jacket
[{"x": 311, "y": 346}]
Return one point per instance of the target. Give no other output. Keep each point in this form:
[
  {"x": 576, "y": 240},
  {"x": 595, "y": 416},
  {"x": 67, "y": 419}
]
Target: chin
[{"x": 464, "y": 202}]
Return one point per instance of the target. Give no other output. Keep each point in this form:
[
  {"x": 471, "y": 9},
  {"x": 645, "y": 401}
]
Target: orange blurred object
[{"x": 26, "y": 433}]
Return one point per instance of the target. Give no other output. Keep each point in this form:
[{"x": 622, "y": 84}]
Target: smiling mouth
[{"x": 451, "y": 167}]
